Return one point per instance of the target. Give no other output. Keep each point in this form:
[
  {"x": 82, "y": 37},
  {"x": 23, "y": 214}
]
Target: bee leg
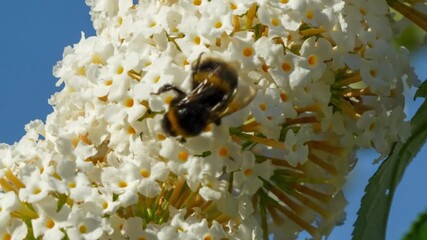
[
  {"x": 196, "y": 67},
  {"x": 167, "y": 88}
]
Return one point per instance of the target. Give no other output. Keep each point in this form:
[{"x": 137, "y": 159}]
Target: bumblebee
[{"x": 214, "y": 95}]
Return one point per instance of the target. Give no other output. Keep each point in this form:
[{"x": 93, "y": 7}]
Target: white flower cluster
[{"x": 328, "y": 82}]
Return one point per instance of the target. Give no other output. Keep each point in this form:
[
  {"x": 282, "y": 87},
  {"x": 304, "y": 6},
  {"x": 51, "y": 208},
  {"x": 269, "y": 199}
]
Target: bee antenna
[{"x": 198, "y": 60}]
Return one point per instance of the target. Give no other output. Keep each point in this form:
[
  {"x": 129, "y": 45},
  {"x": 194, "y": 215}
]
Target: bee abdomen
[{"x": 187, "y": 121}]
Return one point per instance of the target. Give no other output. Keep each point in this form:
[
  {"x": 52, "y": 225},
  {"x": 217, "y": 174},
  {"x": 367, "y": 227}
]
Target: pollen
[
  {"x": 50, "y": 224},
  {"x": 108, "y": 82},
  {"x": 283, "y": 97},
  {"x": 105, "y": 205},
  {"x": 129, "y": 102},
  {"x": 37, "y": 191},
  {"x": 103, "y": 98},
  {"x": 275, "y": 22},
  {"x": 208, "y": 128},
  {"x": 312, "y": 60},
  {"x": 168, "y": 99},
  {"x": 309, "y": 14},
  {"x": 286, "y": 67},
  {"x": 233, "y": 6},
  {"x": 122, "y": 184},
  {"x": 84, "y": 138},
  {"x": 196, "y": 40},
  {"x": 156, "y": 79},
  {"x": 153, "y": 24},
  {"x": 81, "y": 71},
  {"x": 72, "y": 184},
  {"x": 284, "y": 1},
  {"x": 223, "y": 152},
  {"x": 83, "y": 229},
  {"x": 96, "y": 59},
  {"x": 56, "y": 175},
  {"x": 248, "y": 172},
  {"x": 362, "y": 11},
  {"x": 263, "y": 106},
  {"x": 247, "y": 52},
  {"x": 75, "y": 141},
  {"x": 161, "y": 137},
  {"x": 183, "y": 156},
  {"x": 120, "y": 70},
  {"x": 208, "y": 237},
  {"x": 144, "y": 173},
  {"x": 218, "y": 25},
  {"x": 131, "y": 130},
  {"x": 197, "y": 2}
]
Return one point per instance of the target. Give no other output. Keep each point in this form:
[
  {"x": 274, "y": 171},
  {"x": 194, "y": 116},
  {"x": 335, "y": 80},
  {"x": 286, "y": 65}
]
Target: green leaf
[
  {"x": 411, "y": 37},
  {"x": 422, "y": 90},
  {"x": 419, "y": 228},
  {"x": 62, "y": 200},
  {"x": 373, "y": 213}
]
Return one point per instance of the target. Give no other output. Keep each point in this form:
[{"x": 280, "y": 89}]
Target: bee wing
[
  {"x": 197, "y": 92},
  {"x": 243, "y": 96}
]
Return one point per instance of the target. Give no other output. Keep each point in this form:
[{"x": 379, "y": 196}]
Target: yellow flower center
[
  {"x": 312, "y": 60},
  {"x": 144, "y": 173},
  {"x": 37, "y": 191},
  {"x": 120, "y": 70},
  {"x": 196, "y": 40},
  {"x": 83, "y": 229},
  {"x": 248, "y": 172},
  {"x": 183, "y": 156},
  {"x": 309, "y": 14},
  {"x": 50, "y": 223},
  {"x": 129, "y": 102},
  {"x": 223, "y": 152},
  {"x": 275, "y": 22},
  {"x": 131, "y": 130},
  {"x": 247, "y": 52},
  {"x": 123, "y": 184},
  {"x": 286, "y": 67}
]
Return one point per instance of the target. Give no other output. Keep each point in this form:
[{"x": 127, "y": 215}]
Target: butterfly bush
[{"x": 328, "y": 82}]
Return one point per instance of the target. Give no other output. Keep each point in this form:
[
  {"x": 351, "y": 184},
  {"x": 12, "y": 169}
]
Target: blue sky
[{"x": 34, "y": 36}]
